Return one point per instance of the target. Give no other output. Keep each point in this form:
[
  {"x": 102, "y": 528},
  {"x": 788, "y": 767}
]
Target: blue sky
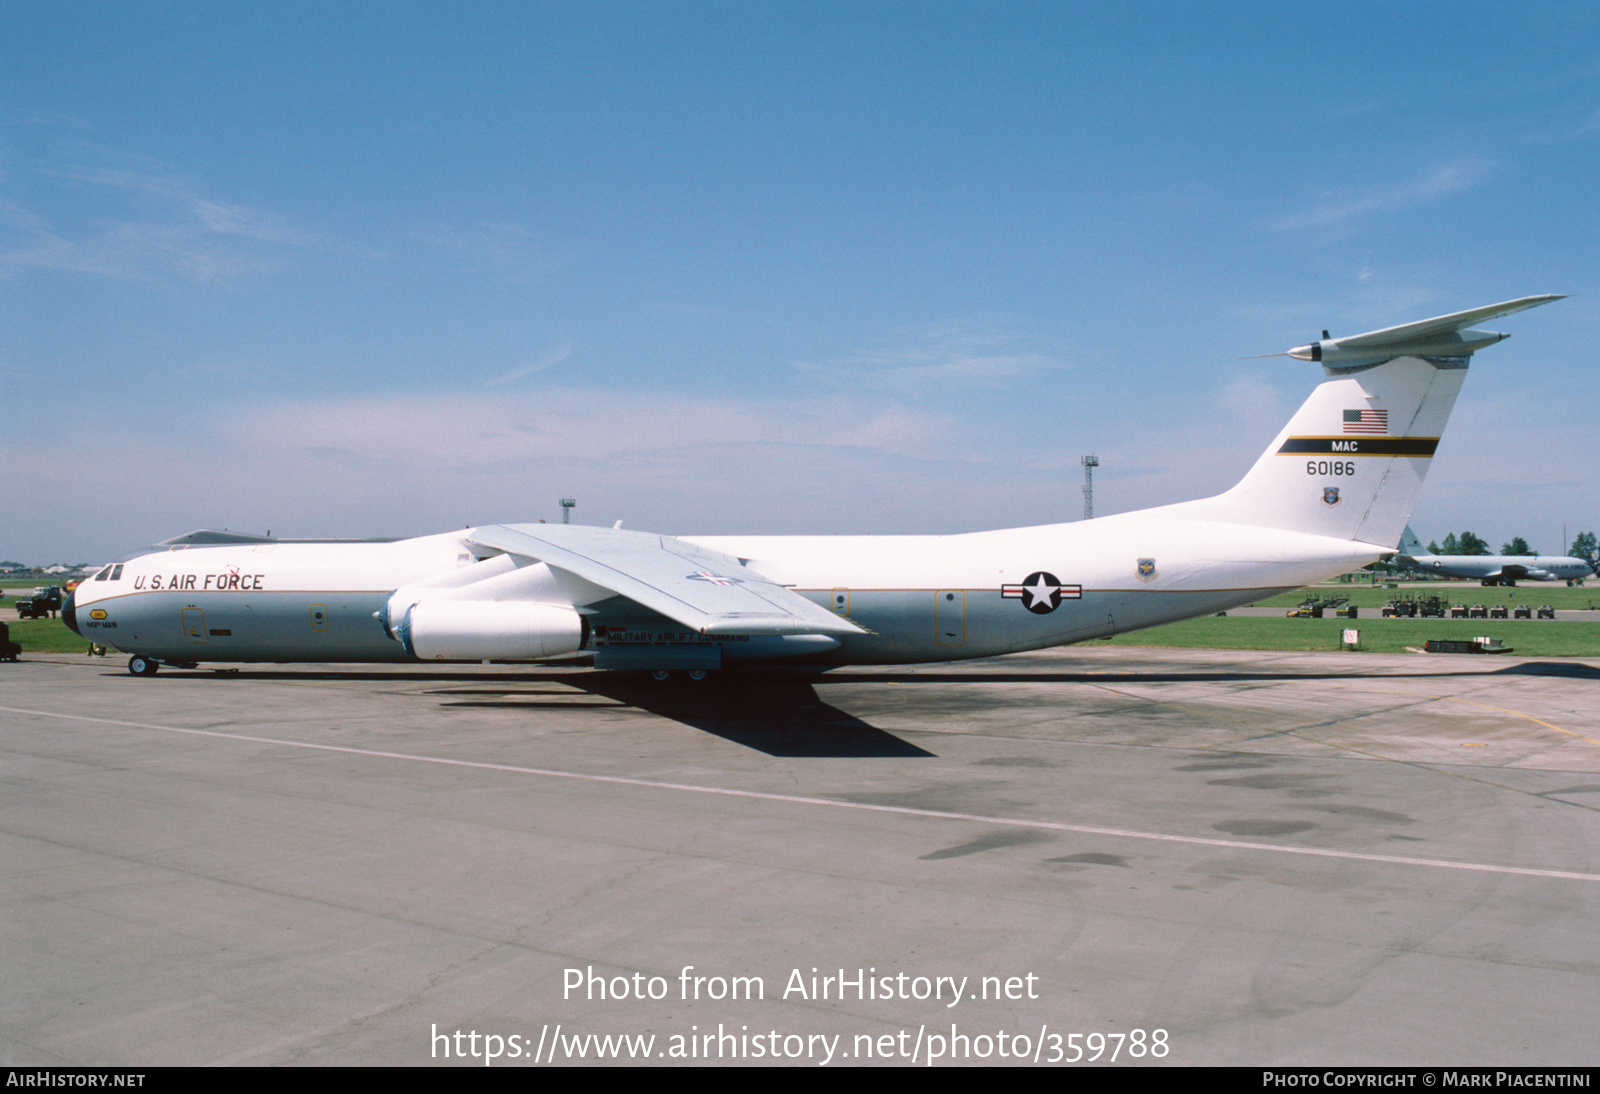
[{"x": 392, "y": 269}]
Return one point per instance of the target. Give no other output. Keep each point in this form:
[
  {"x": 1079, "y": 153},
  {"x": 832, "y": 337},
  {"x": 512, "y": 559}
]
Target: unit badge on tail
[
  {"x": 1042, "y": 592},
  {"x": 1330, "y": 495}
]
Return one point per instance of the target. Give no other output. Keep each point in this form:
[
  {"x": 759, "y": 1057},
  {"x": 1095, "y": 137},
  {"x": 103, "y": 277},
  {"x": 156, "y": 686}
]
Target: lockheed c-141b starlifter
[{"x": 1332, "y": 492}]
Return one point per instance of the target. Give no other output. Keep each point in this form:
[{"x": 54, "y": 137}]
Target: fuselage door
[
  {"x": 950, "y": 617},
  {"x": 194, "y": 625},
  {"x": 319, "y": 617},
  {"x": 839, "y": 601}
]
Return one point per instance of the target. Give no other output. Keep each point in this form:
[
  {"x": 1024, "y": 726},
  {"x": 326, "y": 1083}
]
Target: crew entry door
[{"x": 950, "y": 617}]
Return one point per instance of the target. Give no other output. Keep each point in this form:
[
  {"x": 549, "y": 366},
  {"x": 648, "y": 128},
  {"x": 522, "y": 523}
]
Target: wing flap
[{"x": 709, "y": 592}]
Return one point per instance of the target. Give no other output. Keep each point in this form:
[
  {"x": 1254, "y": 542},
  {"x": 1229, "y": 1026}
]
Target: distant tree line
[{"x": 1468, "y": 543}]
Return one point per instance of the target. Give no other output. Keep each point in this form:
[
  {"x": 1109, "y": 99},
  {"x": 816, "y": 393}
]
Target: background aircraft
[
  {"x": 1493, "y": 569},
  {"x": 1331, "y": 493}
]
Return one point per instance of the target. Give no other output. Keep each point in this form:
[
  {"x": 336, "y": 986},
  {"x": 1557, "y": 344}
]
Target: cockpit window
[
  {"x": 103, "y": 574},
  {"x": 116, "y": 574}
]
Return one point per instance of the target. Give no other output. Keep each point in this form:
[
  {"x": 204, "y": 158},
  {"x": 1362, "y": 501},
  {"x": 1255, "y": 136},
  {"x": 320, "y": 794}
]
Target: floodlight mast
[
  {"x": 567, "y": 505},
  {"x": 1089, "y": 462}
]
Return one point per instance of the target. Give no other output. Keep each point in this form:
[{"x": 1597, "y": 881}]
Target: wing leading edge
[{"x": 706, "y": 591}]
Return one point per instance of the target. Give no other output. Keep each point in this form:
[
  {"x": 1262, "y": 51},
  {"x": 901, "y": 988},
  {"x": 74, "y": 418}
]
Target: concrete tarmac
[{"x": 1269, "y": 858}]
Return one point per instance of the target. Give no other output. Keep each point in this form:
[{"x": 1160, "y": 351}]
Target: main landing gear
[
  {"x": 140, "y": 665},
  {"x": 672, "y": 676}
]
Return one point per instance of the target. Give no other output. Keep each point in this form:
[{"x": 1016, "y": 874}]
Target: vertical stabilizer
[{"x": 1351, "y": 461}]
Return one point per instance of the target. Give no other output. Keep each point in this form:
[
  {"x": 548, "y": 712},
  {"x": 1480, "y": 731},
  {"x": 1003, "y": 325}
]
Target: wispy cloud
[
  {"x": 1357, "y": 110},
  {"x": 503, "y": 248},
  {"x": 141, "y": 218},
  {"x": 464, "y": 431},
  {"x": 554, "y": 357},
  {"x": 124, "y": 249},
  {"x": 952, "y": 355},
  {"x": 1335, "y": 207}
]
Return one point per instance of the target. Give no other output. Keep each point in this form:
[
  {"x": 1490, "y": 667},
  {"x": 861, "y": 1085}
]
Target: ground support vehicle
[{"x": 45, "y": 602}]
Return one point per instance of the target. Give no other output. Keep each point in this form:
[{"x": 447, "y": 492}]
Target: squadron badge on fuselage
[
  {"x": 1042, "y": 592},
  {"x": 1147, "y": 569},
  {"x": 1330, "y": 495}
]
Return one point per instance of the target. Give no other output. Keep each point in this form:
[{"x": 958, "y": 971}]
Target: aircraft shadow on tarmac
[
  {"x": 781, "y": 716},
  {"x": 1135, "y": 676},
  {"x": 1574, "y": 671}
]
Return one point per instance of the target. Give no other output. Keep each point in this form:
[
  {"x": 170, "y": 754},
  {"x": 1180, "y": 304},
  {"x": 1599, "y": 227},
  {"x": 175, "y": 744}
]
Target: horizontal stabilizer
[
  {"x": 1442, "y": 336},
  {"x": 1444, "y": 324},
  {"x": 707, "y": 591}
]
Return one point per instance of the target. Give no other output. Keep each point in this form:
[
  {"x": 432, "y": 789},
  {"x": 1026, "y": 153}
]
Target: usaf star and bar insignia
[
  {"x": 714, "y": 579},
  {"x": 1042, "y": 592}
]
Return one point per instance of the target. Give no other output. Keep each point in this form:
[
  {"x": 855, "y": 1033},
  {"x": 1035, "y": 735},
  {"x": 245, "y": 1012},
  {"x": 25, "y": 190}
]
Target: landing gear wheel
[
  {"x": 697, "y": 676},
  {"x": 143, "y": 666},
  {"x": 661, "y": 676}
]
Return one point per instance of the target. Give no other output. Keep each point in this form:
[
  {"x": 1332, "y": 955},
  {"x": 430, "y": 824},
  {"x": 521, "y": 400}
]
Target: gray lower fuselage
[
  {"x": 915, "y": 598},
  {"x": 904, "y": 625}
]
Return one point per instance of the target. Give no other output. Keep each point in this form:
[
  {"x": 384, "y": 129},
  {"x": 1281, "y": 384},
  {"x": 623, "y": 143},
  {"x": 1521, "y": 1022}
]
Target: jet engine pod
[{"x": 485, "y": 630}]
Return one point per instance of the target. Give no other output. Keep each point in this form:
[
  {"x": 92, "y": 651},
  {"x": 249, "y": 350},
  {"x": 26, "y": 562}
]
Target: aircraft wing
[{"x": 707, "y": 591}]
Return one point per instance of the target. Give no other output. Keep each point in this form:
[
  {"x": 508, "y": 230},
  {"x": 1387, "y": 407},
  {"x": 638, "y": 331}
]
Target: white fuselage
[
  {"x": 919, "y": 598},
  {"x": 1501, "y": 567}
]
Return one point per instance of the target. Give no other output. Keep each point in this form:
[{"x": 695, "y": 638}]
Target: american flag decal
[{"x": 1366, "y": 421}]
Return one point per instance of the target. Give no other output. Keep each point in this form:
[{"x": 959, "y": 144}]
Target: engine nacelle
[{"x": 490, "y": 630}]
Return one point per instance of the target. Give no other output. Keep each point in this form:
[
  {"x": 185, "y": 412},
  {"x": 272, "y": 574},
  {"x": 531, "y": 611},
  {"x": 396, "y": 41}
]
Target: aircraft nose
[{"x": 69, "y": 613}]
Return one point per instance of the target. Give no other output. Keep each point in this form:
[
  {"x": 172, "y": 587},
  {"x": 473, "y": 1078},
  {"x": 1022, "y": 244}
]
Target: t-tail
[
  {"x": 1410, "y": 545},
  {"x": 1350, "y": 462}
]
